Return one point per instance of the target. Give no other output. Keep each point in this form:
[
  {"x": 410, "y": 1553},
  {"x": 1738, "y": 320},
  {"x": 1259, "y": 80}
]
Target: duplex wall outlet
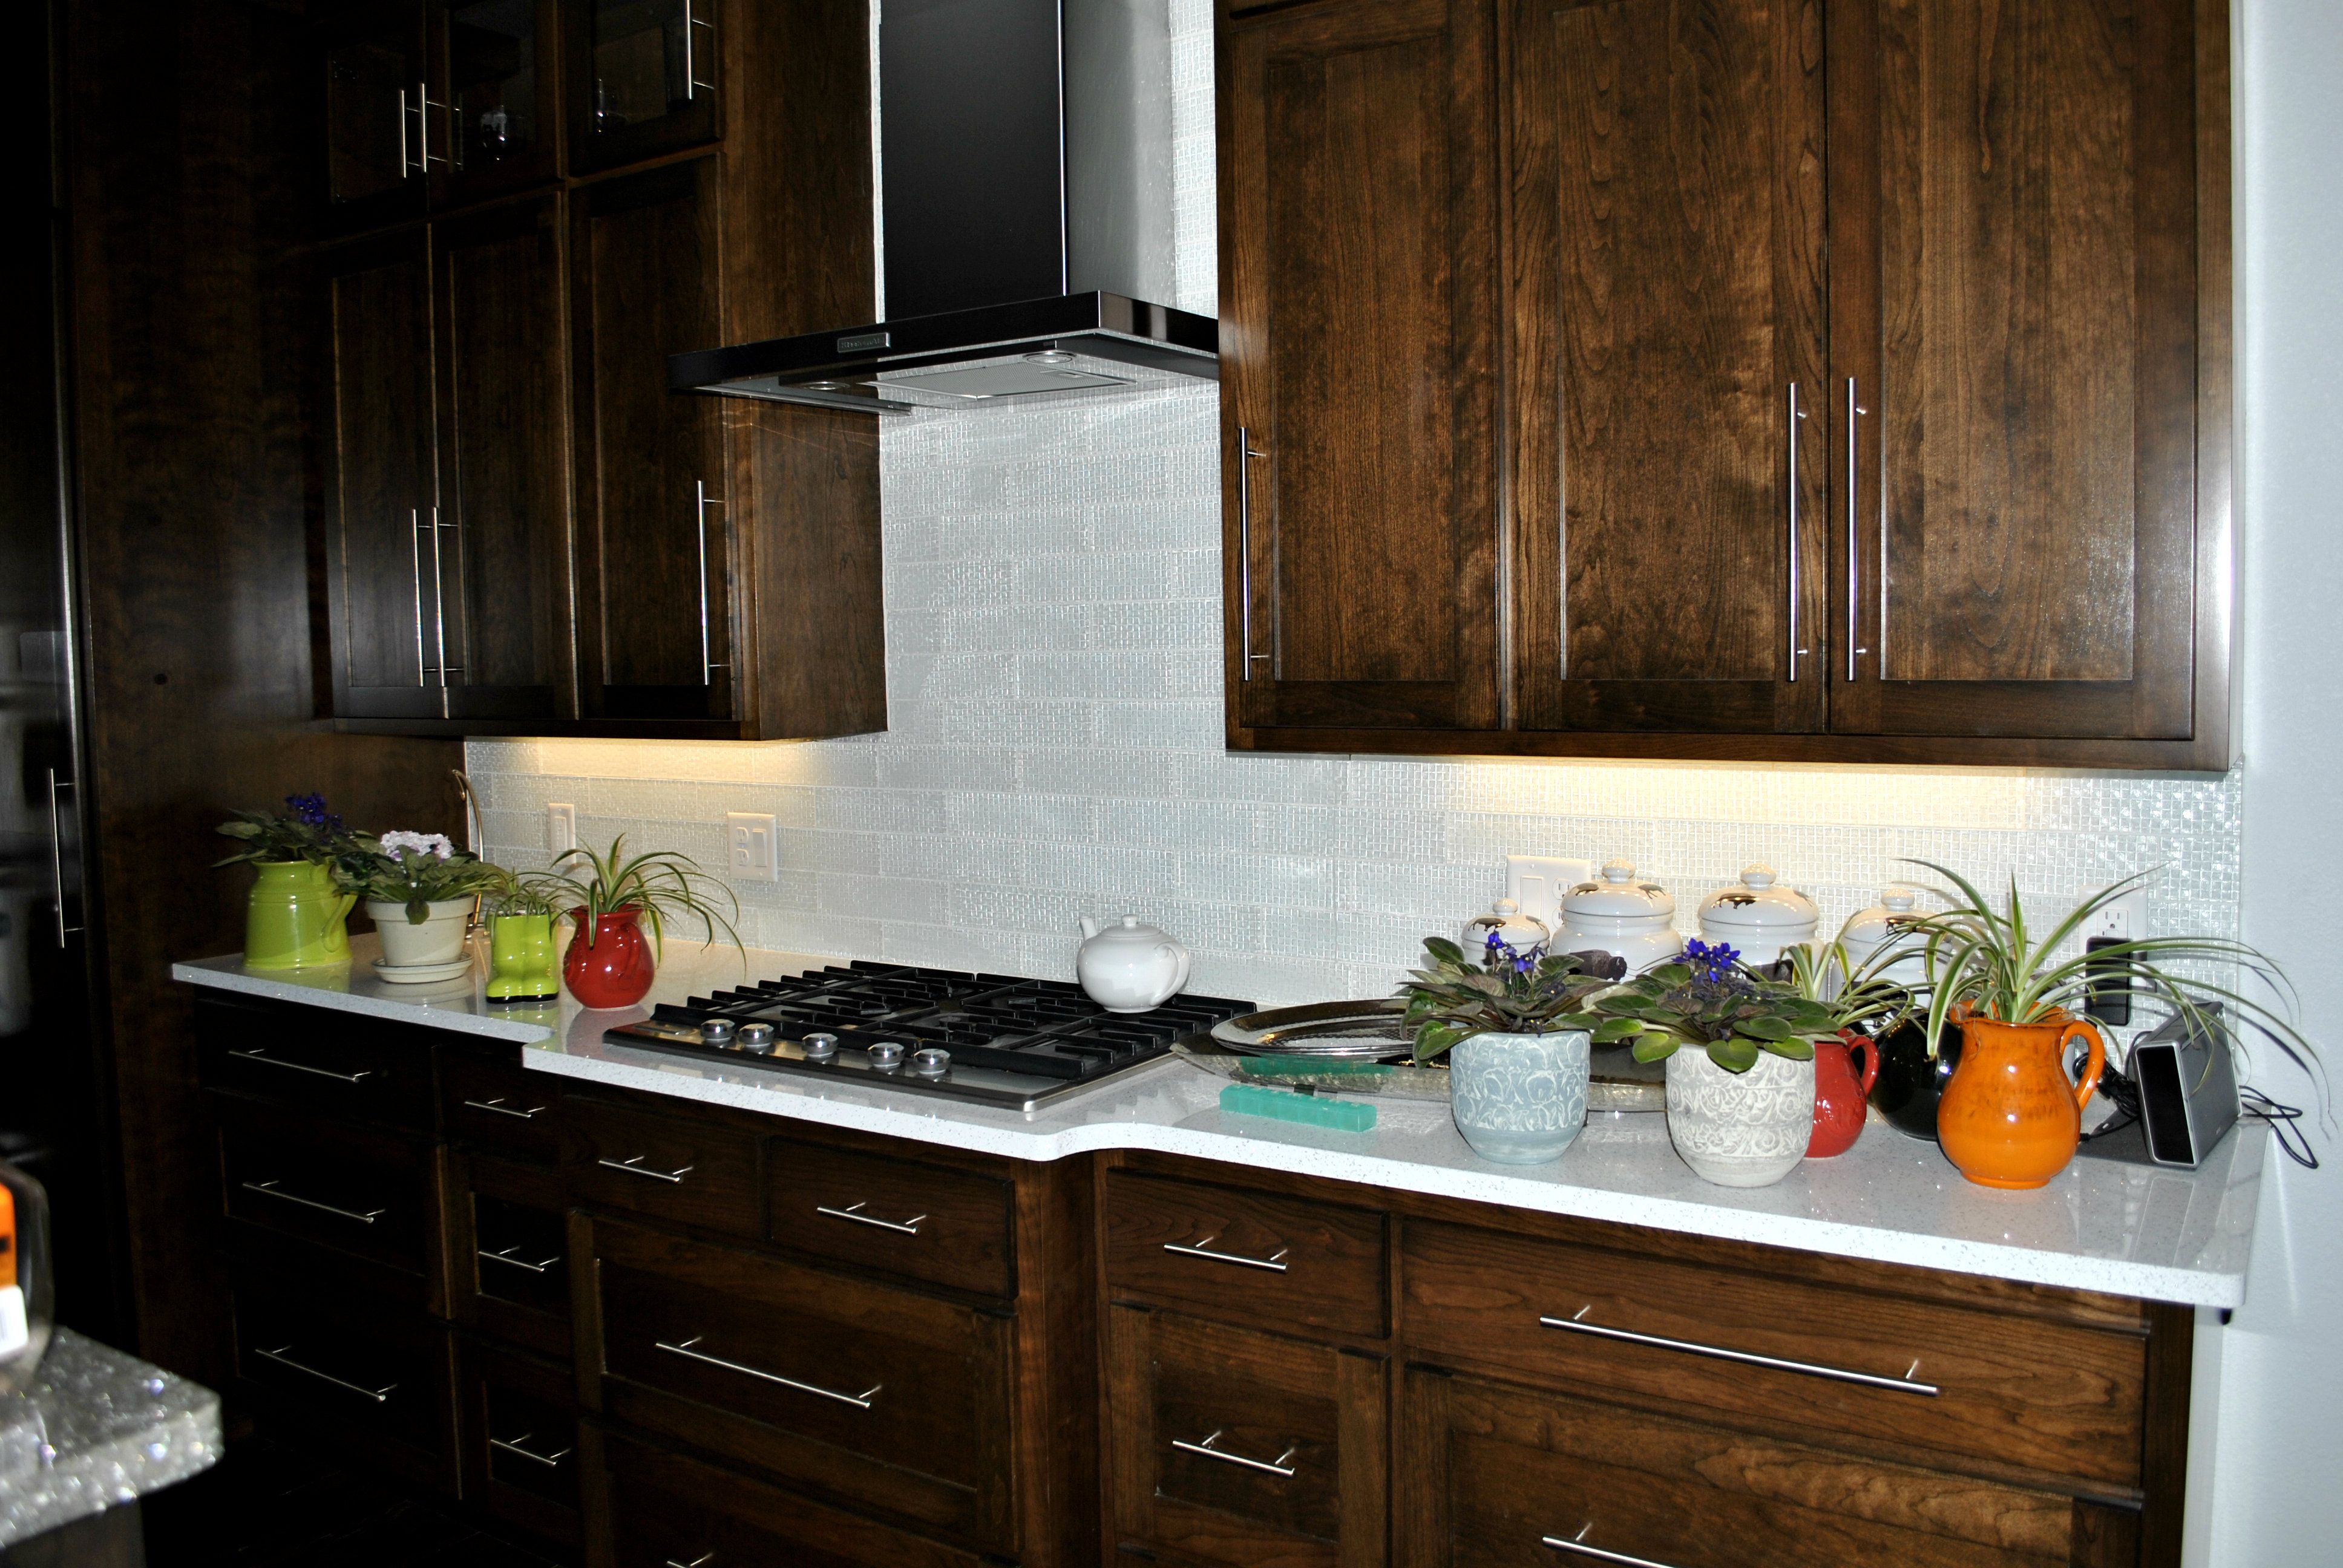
[
  {"x": 2119, "y": 919},
  {"x": 748, "y": 847},
  {"x": 1537, "y": 883},
  {"x": 560, "y": 827}
]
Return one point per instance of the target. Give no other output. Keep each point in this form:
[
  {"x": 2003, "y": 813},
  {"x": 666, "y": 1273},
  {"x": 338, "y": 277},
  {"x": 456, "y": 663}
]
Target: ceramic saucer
[{"x": 422, "y": 974}]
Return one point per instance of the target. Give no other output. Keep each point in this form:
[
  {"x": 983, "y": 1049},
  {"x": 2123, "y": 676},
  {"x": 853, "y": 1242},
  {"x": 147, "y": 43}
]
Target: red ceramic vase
[
  {"x": 1839, "y": 1094},
  {"x": 616, "y": 970}
]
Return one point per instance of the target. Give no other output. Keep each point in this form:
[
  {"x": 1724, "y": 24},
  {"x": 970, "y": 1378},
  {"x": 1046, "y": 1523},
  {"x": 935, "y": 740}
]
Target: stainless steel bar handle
[
  {"x": 692, "y": 85},
  {"x": 1577, "y": 1547},
  {"x": 441, "y": 589},
  {"x": 853, "y": 1212},
  {"x": 255, "y": 1053},
  {"x": 406, "y": 166},
  {"x": 1904, "y": 1384},
  {"x": 701, "y": 501},
  {"x": 513, "y": 1445},
  {"x": 1879, "y": 642},
  {"x": 438, "y": 605},
  {"x": 505, "y": 1256},
  {"x": 415, "y": 538},
  {"x": 858, "y": 1400},
  {"x": 699, "y": 1561},
  {"x": 1796, "y": 414},
  {"x": 1268, "y": 1466},
  {"x": 499, "y": 1106},
  {"x": 269, "y": 1188},
  {"x": 1245, "y": 454},
  {"x": 376, "y": 1395},
  {"x": 58, "y": 854},
  {"x": 424, "y": 106},
  {"x": 1274, "y": 1263},
  {"x": 1853, "y": 568},
  {"x": 633, "y": 1166}
]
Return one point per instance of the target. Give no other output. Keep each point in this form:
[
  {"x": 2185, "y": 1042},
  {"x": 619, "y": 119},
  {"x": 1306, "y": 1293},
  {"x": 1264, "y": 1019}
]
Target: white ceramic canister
[
  {"x": 1756, "y": 918},
  {"x": 1616, "y": 913},
  {"x": 1888, "y": 924},
  {"x": 1521, "y": 933}
]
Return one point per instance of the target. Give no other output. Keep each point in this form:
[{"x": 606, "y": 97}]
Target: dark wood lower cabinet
[{"x": 517, "y": 1437}]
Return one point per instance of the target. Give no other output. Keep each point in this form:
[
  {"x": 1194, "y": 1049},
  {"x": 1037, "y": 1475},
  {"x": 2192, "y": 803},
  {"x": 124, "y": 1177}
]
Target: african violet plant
[
  {"x": 1715, "y": 1002},
  {"x": 304, "y": 830},
  {"x": 1510, "y": 991},
  {"x": 417, "y": 870}
]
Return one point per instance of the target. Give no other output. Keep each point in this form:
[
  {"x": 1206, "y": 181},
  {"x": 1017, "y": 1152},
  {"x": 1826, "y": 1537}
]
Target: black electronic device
[{"x": 2183, "y": 1096}]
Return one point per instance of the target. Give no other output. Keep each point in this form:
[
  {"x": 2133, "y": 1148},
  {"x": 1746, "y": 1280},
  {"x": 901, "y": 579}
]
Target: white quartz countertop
[
  {"x": 95, "y": 1429},
  {"x": 2129, "y": 1230}
]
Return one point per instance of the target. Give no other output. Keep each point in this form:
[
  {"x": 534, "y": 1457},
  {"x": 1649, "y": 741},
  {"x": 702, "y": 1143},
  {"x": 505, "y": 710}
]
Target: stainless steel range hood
[{"x": 1027, "y": 220}]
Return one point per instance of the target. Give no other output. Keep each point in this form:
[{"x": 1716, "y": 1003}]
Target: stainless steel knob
[
  {"x": 756, "y": 1039},
  {"x": 716, "y": 1031},
  {"x": 931, "y": 1062},
  {"x": 819, "y": 1046},
  {"x": 885, "y": 1053}
]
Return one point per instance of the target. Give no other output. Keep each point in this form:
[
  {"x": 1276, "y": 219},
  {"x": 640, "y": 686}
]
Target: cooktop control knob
[
  {"x": 886, "y": 1053},
  {"x": 756, "y": 1039},
  {"x": 717, "y": 1032},
  {"x": 931, "y": 1062},
  {"x": 819, "y": 1046}
]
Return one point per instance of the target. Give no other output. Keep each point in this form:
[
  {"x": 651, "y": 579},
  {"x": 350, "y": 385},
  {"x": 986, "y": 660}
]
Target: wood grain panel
[
  {"x": 1666, "y": 273},
  {"x": 956, "y": 1225},
  {"x": 678, "y": 1169},
  {"x": 1316, "y": 1265}
]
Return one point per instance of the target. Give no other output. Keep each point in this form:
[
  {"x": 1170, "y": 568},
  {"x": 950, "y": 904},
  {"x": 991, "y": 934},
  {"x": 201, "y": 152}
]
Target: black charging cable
[{"x": 2280, "y": 1120}]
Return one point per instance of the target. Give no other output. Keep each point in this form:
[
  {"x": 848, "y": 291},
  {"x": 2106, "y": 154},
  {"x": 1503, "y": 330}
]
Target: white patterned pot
[
  {"x": 1520, "y": 1098},
  {"x": 1740, "y": 1129},
  {"x": 440, "y": 939}
]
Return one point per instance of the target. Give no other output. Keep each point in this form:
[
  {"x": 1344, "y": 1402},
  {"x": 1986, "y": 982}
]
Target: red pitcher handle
[
  {"x": 1870, "y": 1049},
  {"x": 2091, "y": 1069}
]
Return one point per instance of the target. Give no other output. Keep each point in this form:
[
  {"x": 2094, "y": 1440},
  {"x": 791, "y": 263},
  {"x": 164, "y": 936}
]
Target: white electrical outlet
[
  {"x": 2122, "y": 920},
  {"x": 1538, "y": 883},
  {"x": 748, "y": 847},
  {"x": 560, "y": 827}
]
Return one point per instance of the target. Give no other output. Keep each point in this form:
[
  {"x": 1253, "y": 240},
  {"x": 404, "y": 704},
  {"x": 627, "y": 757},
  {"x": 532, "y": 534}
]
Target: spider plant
[
  {"x": 1997, "y": 966},
  {"x": 1857, "y": 998},
  {"x": 659, "y": 884}
]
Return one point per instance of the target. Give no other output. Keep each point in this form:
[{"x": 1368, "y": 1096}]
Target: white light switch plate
[
  {"x": 560, "y": 827},
  {"x": 748, "y": 853},
  {"x": 1537, "y": 883}
]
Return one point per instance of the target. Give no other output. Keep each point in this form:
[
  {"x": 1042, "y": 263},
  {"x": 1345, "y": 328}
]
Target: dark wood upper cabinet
[
  {"x": 644, "y": 78},
  {"x": 383, "y": 559},
  {"x": 496, "y": 65},
  {"x": 383, "y": 137},
  {"x": 504, "y": 586},
  {"x": 1358, "y": 330},
  {"x": 2016, "y": 277},
  {"x": 1667, "y": 297}
]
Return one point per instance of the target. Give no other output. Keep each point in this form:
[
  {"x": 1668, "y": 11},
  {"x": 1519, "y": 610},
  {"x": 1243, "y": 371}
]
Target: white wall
[{"x": 2277, "y": 1493}]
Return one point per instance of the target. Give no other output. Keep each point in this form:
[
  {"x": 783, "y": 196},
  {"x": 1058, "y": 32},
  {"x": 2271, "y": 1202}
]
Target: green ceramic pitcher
[
  {"x": 294, "y": 920},
  {"x": 522, "y": 959}
]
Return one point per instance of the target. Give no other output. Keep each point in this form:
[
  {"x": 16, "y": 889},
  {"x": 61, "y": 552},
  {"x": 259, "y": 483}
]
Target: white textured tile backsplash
[{"x": 1053, "y": 689}]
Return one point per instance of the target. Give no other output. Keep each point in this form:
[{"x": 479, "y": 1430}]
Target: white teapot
[{"x": 1129, "y": 967}]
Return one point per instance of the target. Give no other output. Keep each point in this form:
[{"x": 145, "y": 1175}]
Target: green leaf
[
  {"x": 1765, "y": 1029},
  {"x": 1442, "y": 949},
  {"x": 1796, "y": 1050},
  {"x": 1732, "y": 1055},
  {"x": 1436, "y": 1036},
  {"x": 1612, "y": 1032},
  {"x": 1655, "y": 1047}
]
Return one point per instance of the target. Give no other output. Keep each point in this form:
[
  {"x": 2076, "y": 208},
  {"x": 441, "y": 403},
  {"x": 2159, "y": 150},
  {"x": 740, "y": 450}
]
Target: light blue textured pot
[{"x": 1520, "y": 1098}]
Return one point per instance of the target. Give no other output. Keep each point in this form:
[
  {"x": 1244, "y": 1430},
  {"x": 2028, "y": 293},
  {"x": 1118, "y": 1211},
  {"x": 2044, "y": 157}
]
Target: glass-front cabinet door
[
  {"x": 643, "y": 78},
  {"x": 384, "y": 134},
  {"x": 495, "y": 60}
]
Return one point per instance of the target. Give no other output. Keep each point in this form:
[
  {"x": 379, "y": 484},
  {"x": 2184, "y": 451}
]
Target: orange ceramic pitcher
[{"x": 2011, "y": 1117}]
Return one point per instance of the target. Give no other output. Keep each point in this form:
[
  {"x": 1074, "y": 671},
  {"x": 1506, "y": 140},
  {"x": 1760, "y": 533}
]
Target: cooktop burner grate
[{"x": 1003, "y": 1040}]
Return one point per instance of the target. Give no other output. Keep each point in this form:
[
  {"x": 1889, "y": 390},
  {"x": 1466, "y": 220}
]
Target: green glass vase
[
  {"x": 523, "y": 964},
  {"x": 296, "y": 918}
]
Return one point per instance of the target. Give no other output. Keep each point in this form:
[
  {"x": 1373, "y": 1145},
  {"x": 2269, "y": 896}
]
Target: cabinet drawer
[
  {"x": 665, "y": 1508},
  {"x": 1996, "y": 1387},
  {"x": 1495, "y": 1477},
  {"x": 945, "y": 1227},
  {"x": 1241, "y": 1448},
  {"x": 352, "y": 1188},
  {"x": 1279, "y": 1262},
  {"x": 894, "y": 1400},
  {"x": 371, "y": 1383},
  {"x": 518, "y": 1429},
  {"x": 509, "y": 1251},
  {"x": 499, "y": 1106},
  {"x": 332, "y": 1063},
  {"x": 662, "y": 1167}
]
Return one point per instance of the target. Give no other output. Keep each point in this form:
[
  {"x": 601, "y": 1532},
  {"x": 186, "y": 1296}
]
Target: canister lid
[
  {"x": 1868, "y": 931},
  {"x": 1617, "y": 894},
  {"x": 1756, "y": 903}
]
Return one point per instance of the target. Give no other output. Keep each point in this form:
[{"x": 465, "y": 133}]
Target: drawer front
[
  {"x": 1241, "y": 1448},
  {"x": 661, "y": 1167},
  {"x": 2064, "y": 1400},
  {"x": 944, "y": 1227},
  {"x": 370, "y": 1381},
  {"x": 1276, "y": 1262},
  {"x": 509, "y": 1250},
  {"x": 665, "y": 1509},
  {"x": 894, "y": 1399},
  {"x": 499, "y": 1106},
  {"x": 519, "y": 1430},
  {"x": 1495, "y": 1477},
  {"x": 355, "y": 1189},
  {"x": 327, "y": 1063}
]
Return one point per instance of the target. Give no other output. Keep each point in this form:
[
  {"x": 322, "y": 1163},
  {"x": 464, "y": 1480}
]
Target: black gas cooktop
[{"x": 999, "y": 1039}]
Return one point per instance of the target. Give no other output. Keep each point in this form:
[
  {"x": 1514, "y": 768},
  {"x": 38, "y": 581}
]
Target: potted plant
[
  {"x": 1863, "y": 1005},
  {"x": 1741, "y": 1107},
  {"x": 609, "y": 963},
  {"x": 296, "y": 917},
  {"x": 418, "y": 889},
  {"x": 1516, "y": 1033},
  {"x": 523, "y": 964},
  {"x": 2011, "y": 1117}
]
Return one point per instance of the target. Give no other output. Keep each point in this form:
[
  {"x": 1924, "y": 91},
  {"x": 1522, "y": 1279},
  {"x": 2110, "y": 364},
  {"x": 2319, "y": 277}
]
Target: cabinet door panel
[
  {"x": 495, "y": 64},
  {"x": 384, "y": 132},
  {"x": 503, "y": 542},
  {"x": 1667, "y": 267},
  {"x": 643, "y": 78},
  {"x": 655, "y": 557},
  {"x": 381, "y": 484},
  {"x": 1358, "y": 392},
  {"x": 2014, "y": 274}
]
